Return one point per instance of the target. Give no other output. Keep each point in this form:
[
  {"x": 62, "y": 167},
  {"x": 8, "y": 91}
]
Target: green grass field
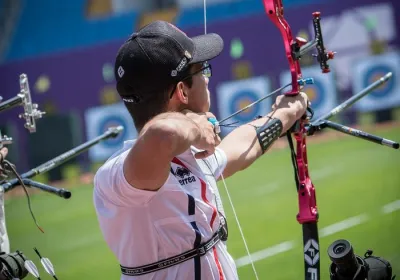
[{"x": 352, "y": 177}]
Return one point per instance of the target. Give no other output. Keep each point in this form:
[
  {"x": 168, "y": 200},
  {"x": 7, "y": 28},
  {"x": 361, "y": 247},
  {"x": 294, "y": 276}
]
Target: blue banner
[
  {"x": 235, "y": 95},
  {"x": 99, "y": 119},
  {"x": 370, "y": 69}
]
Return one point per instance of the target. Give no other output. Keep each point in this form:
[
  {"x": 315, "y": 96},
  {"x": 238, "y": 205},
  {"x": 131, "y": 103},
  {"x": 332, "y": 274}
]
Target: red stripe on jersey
[
  {"x": 203, "y": 192},
  {"x": 213, "y": 216},
  {"x": 203, "y": 196},
  {"x": 177, "y": 161},
  {"x": 221, "y": 275}
]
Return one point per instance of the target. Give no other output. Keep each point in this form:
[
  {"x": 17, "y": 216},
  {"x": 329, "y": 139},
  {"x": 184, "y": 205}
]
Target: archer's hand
[
  {"x": 298, "y": 103},
  {"x": 208, "y": 139},
  {"x": 3, "y": 154}
]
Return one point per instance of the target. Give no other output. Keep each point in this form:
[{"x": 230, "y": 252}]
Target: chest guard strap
[{"x": 199, "y": 251}]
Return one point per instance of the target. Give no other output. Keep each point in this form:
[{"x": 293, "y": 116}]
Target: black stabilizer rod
[
  {"x": 12, "y": 102},
  {"x": 50, "y": 189},
  {"x": 353, "y": 132},
  {"x": 112, "y": 132}
]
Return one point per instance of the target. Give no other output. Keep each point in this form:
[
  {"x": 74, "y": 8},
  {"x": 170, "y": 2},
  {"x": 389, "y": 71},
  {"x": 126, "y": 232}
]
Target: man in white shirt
[{"x": 156, "y": 199}]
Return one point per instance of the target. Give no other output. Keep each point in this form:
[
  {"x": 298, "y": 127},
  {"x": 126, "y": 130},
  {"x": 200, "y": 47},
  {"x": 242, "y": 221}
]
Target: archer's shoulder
[{"x": 114, "y": 163}]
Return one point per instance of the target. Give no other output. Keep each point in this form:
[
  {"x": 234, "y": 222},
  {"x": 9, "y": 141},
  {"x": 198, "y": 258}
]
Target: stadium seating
[{"x": 56, "y": 26}]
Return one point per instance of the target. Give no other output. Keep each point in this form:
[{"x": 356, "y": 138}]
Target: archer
[{"x": 154, "y": 224}]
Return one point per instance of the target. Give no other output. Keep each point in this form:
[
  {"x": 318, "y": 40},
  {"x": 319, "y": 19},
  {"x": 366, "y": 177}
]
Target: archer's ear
[{"x": 181, "y": 93}]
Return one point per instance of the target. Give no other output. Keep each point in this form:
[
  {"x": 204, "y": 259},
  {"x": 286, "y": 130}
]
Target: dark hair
[{"x": 155, "y": 103}]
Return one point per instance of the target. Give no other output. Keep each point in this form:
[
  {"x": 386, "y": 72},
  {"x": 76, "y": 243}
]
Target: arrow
[{"x": 48, "y": 266}]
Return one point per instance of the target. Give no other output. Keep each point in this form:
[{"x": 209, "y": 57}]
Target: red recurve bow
[{"x": 308, "y": 212}]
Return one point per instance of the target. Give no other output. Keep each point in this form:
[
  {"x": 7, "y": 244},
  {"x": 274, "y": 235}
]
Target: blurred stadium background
[{"x": 67, "y": 49}]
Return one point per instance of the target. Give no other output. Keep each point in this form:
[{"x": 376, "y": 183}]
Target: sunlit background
[{"x": 67, "y": 49}]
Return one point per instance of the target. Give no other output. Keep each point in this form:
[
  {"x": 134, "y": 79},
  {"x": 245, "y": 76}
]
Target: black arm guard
[{"x": 268, "y": 133}]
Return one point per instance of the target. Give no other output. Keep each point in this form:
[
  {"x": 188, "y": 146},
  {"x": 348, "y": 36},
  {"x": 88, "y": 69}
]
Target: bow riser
[
  {"x": 308, "y": 212},
  {"x": 294, "y": 49}
]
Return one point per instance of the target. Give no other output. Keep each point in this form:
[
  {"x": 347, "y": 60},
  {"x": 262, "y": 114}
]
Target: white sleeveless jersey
[{"x": 142, "y": 227}]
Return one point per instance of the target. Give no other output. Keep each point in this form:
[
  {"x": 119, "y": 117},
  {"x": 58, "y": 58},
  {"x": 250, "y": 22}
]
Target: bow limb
[{"x": 274, "y": 10}]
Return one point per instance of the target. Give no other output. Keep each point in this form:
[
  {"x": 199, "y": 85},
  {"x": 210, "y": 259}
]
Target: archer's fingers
[
  {"x": 3, "y": 153},
  {"x": 210, "y": 115},
  {"x": 217, "y": 139}
]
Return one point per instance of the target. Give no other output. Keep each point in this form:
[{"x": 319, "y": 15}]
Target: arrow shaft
[
  {"x": 57, "y": 160},
  {"x": 254, "y": 103}
]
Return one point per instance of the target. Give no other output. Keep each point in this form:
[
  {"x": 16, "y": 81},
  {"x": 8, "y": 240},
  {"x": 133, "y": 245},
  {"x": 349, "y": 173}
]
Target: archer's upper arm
[
  {"x": 147, "y": 165},
  {"x": 216, "y": 162}
]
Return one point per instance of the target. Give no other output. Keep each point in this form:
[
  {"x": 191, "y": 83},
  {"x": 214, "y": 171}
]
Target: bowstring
[
  {"x": 221, "y": 210},
  {"x": 218, "y": 198},
  {"x": 237, "y": 222}
]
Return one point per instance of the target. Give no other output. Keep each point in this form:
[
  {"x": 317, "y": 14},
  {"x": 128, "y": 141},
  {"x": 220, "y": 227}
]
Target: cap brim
[{"x": 207, "y": 47}]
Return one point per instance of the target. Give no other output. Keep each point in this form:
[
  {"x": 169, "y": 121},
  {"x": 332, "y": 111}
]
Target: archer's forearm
[
  {"x": 242, "y": 146},
  {"x": 176, "y": 131}
]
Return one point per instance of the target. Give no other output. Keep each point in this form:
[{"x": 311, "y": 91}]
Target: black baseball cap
[{"x": 157, "y": 56}]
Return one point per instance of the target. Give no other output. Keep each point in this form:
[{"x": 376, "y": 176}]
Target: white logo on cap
[
  {"x": 188, "y": 55},
  {"x": 182, "y": 64},
  {"x": 130, "y": 100},
  {"x": 121, "y": 71}
]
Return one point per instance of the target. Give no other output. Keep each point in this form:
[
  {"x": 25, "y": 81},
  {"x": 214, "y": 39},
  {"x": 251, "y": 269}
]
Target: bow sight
[{"x": 31, "y": 112}]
